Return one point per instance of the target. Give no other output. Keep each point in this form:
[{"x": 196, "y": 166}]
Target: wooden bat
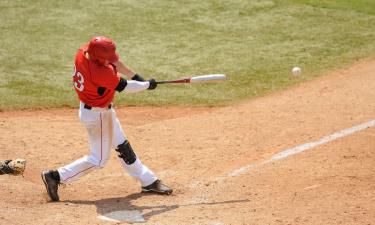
[{"x": 196, "y": 79}]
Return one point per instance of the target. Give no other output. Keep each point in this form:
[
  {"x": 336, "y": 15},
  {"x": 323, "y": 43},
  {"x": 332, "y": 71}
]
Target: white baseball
[{"x": 296, "y": 71}]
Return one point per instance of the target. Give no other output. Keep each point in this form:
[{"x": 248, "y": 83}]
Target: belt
[{"x": 90, "y": 107}]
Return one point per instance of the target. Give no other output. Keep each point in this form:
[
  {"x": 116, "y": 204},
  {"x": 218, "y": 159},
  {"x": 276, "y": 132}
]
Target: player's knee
[
  {"x": 98, "y": 163},
  {"x": 125, "y": 151}
]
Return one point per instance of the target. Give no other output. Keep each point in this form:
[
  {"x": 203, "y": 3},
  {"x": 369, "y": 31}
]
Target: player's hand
[
  {"x": 138, "y": 77},
  {"x": 153, "y": 84}
]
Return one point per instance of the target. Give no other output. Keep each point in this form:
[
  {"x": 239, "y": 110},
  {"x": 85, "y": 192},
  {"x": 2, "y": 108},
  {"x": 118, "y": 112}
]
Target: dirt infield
[{"x": 195, "y": 150}]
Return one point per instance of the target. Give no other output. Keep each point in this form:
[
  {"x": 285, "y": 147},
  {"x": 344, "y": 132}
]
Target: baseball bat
[{"x": 196, "y": 79}]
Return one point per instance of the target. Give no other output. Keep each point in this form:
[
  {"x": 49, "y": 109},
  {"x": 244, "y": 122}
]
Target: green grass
[{"x": 256, "y": 43}]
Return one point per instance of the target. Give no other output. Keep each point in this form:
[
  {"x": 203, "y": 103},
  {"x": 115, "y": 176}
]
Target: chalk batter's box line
[{"x": 301, "y": 148}]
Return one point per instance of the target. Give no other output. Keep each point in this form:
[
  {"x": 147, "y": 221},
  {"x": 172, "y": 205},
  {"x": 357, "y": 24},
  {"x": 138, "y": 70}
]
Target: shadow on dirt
[{"x": 111, "y": 206}]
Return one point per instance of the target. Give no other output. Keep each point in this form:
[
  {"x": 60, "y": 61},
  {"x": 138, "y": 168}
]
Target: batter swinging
[{"x": 95, "y": 80}]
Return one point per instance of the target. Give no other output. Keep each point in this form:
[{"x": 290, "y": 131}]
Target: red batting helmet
[{"x": 101, "y": 49}]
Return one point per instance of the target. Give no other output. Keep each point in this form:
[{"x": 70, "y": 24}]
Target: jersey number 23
[{"x": 78, "y": 80}]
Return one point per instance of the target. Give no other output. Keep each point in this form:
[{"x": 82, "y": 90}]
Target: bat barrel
[{"x": 208, "y": 78}]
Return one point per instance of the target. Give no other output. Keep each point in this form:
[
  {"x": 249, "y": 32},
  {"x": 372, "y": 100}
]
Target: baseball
[{"x": 296, "y": 71}]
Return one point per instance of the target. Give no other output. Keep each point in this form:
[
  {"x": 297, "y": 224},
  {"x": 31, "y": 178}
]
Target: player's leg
[
  {"x": 132, "y": 164},
  {"x": 100, "y": 127},
  {"x": 129, "y": 160}
]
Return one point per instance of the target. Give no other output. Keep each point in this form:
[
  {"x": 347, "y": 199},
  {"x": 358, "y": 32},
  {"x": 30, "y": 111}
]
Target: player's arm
[
  {"x": 132, "y": 86},
  {"x": 109, "y": 79},
  {"x": 130, "y": 74}
]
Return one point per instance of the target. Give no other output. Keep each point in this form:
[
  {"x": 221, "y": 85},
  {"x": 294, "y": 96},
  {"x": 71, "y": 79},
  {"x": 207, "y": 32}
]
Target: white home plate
[{"x": 133, "y": 216}]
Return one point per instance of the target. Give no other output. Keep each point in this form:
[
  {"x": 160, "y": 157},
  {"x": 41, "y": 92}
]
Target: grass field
[{"x": 256, "y": 43}]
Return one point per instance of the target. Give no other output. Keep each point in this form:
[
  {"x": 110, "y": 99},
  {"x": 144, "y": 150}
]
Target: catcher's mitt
[{"x": 13, "y": 167}]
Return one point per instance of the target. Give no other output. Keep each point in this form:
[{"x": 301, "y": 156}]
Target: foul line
[{"x": 301, "y": 148}]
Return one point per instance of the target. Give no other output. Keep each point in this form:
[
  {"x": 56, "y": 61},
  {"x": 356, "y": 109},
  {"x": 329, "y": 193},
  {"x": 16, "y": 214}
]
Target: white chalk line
[{"x": 301, "y": 148}]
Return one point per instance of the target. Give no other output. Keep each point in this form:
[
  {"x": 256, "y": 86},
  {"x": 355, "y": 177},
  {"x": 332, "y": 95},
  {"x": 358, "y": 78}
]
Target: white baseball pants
[{"x": 105, "y": 133}]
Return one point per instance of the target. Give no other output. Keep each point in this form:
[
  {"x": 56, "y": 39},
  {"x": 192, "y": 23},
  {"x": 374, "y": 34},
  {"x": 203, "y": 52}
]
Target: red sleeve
[{"x": 107, "y": 77}]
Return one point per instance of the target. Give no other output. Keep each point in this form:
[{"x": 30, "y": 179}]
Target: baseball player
[{"x": 96, "y": 79}]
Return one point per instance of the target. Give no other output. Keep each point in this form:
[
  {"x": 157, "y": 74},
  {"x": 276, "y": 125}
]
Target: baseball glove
[{"x": 14, "y": 167}]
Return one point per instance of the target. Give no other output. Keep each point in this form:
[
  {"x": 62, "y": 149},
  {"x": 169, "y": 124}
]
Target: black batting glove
[
  {"x": 153, "y": 84},
  {"x": 138, "y": 77}
]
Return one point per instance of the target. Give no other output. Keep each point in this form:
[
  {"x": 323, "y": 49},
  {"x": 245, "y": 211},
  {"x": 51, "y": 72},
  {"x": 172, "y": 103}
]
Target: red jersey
[{"x": 88, "y": 77}]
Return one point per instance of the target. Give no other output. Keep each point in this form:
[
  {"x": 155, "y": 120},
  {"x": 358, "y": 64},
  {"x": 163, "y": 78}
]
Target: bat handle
[
  {"x": 186, "y": 80},
  {"x": 162, "y": 82}
]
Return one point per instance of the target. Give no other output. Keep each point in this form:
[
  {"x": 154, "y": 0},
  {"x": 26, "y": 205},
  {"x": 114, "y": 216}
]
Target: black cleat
[
  {"x": 158, "y": 187},
  {"x": 51, "y": 185}
]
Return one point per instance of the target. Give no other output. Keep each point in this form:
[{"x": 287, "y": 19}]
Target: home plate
[{"x": 132, "y": 216}]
